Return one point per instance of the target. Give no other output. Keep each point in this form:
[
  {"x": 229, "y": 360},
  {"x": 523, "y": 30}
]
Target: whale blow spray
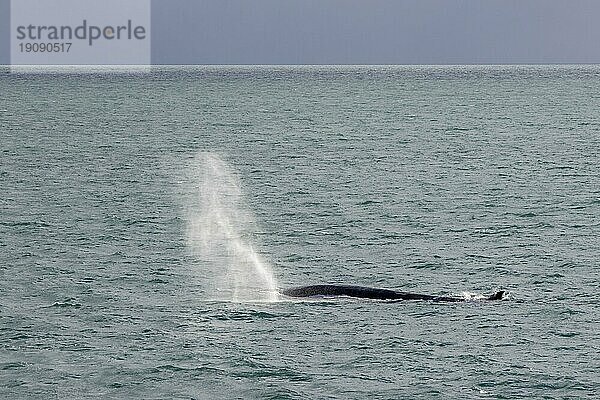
[{"x": 220, "y": 227}]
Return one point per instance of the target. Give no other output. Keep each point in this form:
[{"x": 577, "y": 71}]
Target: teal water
[{"x": 439, "y": 180}]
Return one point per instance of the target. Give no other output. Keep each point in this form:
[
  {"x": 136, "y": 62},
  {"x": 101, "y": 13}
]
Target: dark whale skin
[{"x": 372, "y": 293}]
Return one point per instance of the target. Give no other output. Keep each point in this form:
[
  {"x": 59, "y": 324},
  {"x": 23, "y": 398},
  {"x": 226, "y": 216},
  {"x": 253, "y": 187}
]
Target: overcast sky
[
  {"x": 369, "y": 31},
  {"x": 4, "y": 32}
]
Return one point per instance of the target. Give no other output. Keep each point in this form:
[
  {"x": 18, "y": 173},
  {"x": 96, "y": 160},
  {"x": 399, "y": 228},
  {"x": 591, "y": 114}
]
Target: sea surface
[{"x": 136, "y": 206}]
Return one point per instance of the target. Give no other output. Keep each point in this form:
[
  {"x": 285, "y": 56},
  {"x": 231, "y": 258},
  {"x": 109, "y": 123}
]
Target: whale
[{"x": 364, "y": 292}]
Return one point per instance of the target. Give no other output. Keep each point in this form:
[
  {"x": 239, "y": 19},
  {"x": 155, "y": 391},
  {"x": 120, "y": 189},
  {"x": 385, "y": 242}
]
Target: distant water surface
[{"x": 439, "y": 180}]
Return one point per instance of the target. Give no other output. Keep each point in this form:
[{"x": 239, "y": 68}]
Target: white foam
[{"x": 472, "y": 296}]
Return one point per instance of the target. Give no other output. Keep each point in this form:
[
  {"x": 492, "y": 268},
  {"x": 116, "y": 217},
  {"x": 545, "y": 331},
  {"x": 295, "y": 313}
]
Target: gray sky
[
  {"x": 376, "y": 31},
  {"x": 369, "y": 31},
  {"x": 4, "y": 31}
]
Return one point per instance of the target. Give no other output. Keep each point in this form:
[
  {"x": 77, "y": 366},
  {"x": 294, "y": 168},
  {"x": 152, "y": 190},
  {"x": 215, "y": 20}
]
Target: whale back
[
  {"x": 342, "y": 290},
  {"x": 364, "y": 292}
]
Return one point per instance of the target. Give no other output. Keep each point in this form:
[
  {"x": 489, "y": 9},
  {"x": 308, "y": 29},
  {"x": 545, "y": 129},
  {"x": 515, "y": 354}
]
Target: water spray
[{"x": 220, "y": 230}]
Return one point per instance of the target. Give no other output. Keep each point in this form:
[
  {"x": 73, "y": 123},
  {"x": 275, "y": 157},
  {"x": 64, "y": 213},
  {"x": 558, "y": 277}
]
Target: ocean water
[{"x": 147, "y": 221}]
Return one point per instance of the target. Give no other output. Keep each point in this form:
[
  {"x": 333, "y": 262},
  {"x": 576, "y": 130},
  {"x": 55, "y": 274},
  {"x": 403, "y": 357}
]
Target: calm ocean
[{"x": 147, "y": 220}]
